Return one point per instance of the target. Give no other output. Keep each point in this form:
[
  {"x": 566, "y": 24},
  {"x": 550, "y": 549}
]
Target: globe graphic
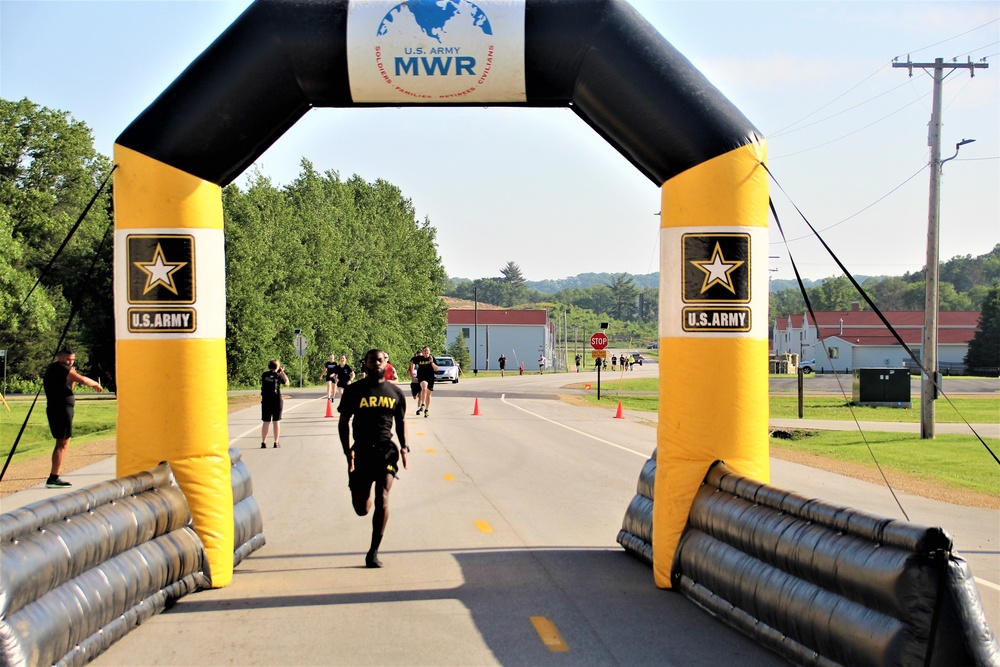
[{"x": 435, "y": 18}]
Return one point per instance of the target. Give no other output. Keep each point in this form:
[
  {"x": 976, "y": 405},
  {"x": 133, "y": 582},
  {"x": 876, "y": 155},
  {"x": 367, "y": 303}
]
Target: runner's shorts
[
  {"x": 60, "y": 420},
  {"x": 270, "y": 409},
  {"x": 372, "y": 463}
]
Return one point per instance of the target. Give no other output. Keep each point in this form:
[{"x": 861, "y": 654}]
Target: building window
[
  {"x": 834, "y": 353},
  {"x": 465, "y": 331}
]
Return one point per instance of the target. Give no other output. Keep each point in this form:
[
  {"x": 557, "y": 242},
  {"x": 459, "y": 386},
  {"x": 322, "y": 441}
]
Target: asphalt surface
[{"x": 500, "y": 548}]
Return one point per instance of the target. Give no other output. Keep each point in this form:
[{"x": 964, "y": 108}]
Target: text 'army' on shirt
[{"x": 377, "y": 402}]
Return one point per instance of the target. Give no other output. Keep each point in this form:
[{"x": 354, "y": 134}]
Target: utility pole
[{"x": 928, "y": 388}]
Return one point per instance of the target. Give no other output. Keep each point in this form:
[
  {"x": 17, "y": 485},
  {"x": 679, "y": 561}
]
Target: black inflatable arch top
[{"x": 282, "y": 57}]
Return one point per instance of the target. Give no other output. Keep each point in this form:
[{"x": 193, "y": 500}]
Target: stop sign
[{"x": 599, "y": 340}]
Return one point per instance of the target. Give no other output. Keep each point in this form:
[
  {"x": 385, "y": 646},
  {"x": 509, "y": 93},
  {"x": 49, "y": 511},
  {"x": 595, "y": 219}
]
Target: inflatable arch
[{"x": 282, "y": 57}]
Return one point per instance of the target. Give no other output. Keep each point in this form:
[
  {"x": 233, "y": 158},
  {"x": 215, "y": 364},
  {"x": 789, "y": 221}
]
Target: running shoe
[
  {"x": 427, "y": 413},
  {"x": 276, "y": 445},
  {"x": 419, "y": 410},
  {"x": 56, "y": 483},
  {"x": 372, "y": 560},
  {"x": 263, "y": 445}
]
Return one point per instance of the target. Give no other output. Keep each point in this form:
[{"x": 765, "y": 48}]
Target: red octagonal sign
[{"x": 599, "y": 340}]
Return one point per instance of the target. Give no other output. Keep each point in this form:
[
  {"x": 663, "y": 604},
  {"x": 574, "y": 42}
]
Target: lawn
[
  {"x": 94, "y": 418},
  {"x": 958, "y": 461}
]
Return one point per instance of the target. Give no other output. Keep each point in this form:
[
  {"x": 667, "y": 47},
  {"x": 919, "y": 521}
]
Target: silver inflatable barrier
[{"x": 80, "y": 570}]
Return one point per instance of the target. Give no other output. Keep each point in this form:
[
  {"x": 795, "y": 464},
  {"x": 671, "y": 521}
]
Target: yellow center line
[
  {"x": 483, "y": 526},
  {"x": 429, "y": 451},
  {"x": 549, "y": 635},
  {"x": 449, "y": 478}
]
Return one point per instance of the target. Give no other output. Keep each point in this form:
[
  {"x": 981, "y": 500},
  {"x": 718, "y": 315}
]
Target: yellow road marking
[
  {"x": 483, "y": 526},
  {"x": 429, "y": 451},
  {"x": 449, "y": 478},
  {"x": 549, "y": 635}
]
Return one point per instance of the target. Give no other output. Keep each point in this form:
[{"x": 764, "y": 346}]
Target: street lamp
[{"x": 957, "y": 146}]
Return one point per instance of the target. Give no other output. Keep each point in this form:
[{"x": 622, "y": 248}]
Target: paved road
[{"x": 502, "y": 517}]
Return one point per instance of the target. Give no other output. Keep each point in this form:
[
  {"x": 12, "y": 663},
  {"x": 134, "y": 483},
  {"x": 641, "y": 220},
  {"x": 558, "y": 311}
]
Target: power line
[
  {"x": 865, "y": 127},
  {"x": 949, "y": 39},
  {"x": 856, "y": 214},
  {"x": 781, "y": 133}
]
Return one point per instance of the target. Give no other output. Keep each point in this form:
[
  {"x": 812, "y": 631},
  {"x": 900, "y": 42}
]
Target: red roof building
[{"x": 857, "y": 338}]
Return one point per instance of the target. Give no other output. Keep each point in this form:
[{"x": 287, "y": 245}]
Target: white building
[
  {"x": 857, "y": 338},
  {"x": 521, "y": 335}
]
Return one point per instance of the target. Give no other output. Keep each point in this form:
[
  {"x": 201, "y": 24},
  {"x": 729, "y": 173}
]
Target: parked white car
[
  {"x": 447, "y": 370},
  {"x": 808, "y": 366}
]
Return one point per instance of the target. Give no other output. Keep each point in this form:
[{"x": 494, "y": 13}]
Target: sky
[{"x": 846, "y": 132}]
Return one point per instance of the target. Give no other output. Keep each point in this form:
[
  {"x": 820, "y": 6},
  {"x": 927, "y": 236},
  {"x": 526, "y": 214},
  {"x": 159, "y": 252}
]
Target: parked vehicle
[
  {"x": 447, "y": 370},
  {"x": 808, "y": 366},
  {"x": 638, "y": 358}
]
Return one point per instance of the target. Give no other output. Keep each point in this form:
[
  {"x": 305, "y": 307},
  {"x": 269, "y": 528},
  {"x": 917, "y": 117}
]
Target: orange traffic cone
[
  {"x": 619, "y": 415},
  {"x": 329, "y": 408},
  {"x": 475, "y": 410}
]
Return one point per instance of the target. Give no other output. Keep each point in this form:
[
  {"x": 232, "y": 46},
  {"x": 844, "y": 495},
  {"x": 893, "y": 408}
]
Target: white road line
[
  {"x": 256, "y": 428},
  {"x": 503, "y": 399},
  {"x": 988, "y": 584}
]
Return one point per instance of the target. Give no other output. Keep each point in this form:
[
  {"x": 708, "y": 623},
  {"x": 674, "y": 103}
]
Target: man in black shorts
[
  {"x": 376, "y": 406},
  {"x": 60, "y": 404},
  {"x": 270, "y": 400},
  {"x": 503, "y": 363},
  {"x": 423, "y": 366}
]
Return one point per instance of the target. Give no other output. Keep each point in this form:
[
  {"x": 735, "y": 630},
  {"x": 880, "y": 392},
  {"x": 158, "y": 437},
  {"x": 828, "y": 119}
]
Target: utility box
[{"x": 882, "y": 387}]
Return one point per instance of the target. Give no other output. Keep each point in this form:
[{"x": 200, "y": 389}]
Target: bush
[{"x": 19, "y": 385}]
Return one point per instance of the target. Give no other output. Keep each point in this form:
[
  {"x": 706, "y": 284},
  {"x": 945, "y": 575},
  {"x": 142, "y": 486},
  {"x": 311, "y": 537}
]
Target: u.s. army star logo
[
  {"x": 160, "y": 269},
  {"x": 716, "y": 275},
  {"x": 716, "y": 268}
]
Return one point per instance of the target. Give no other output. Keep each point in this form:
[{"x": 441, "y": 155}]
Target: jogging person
[
  {"x": 271, "y": 402},
  {"x": 422, "y": 367},
  {"x": 330, "y": 374},
  {"x": 345, "y": 375},
  {"x": 376, "y": 406},
  {"x": 503, "y": 363},
  {"x": 60, "y": 404}
]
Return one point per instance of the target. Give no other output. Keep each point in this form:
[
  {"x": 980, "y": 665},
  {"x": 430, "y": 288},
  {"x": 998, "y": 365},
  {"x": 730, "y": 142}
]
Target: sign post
[
  {"x": 300, "y": 349},
  {"x": 599, "y": 341}
]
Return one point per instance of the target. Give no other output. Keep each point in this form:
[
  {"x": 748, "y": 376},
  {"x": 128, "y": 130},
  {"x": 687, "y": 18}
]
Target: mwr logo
[
  {"x": 715, "y": 319},
  {"x": 716, "y": 268},
  {"x": 160, "y": 269},
  {"x": 161, "y": 320},
  {"x": 435, "y": 50}
]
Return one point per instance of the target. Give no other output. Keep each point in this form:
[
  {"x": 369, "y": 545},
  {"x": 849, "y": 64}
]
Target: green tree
[
  {"x": 458, "y": 349},
  {"x": 517, "y": 289},
  {"x": 625, "y": 295},
  {"x": 984, "y": 348},
  {"x": 344, "y": 261},
  {"x": 49, "y": 171}
]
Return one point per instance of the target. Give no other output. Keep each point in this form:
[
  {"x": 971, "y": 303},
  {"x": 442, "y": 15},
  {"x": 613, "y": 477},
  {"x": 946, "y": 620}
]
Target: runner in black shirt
[
  {"x": 422, "y": 366},
  {"x": 329, "y": 374},
  {"x": 344, "y": 374},
  {"x": 376, "y": 406}
]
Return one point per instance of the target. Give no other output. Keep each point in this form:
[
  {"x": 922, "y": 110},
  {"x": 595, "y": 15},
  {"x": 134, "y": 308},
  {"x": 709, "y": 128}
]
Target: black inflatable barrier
[
  {"x": 636, "y": 535},
  {"x": 823, "y": 584},
  {"x": 249, "y": 525},
  {"x": 80, "y": 570}
]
